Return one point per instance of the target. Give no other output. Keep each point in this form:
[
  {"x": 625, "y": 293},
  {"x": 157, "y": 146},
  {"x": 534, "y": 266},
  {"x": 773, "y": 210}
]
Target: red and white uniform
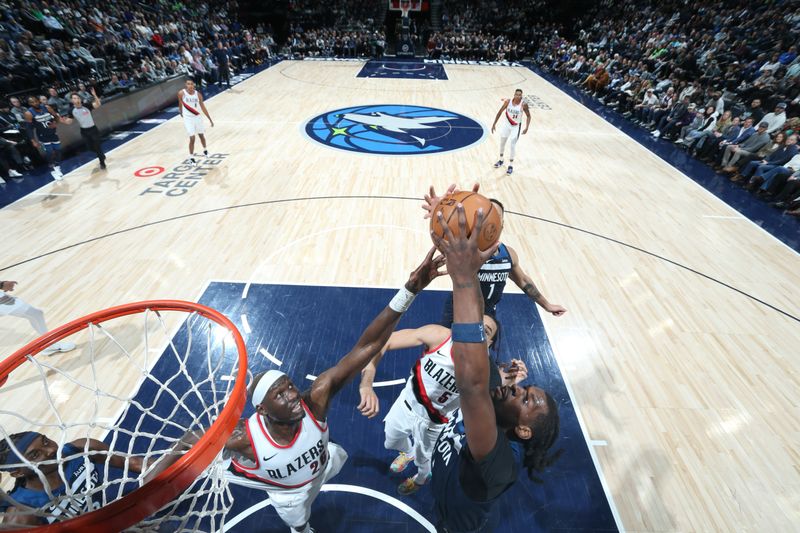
[
  {"x": 424, "y": 406},
  {"x": 192, "y": 114},
  {"x": 433, "y": 382},
  {"x": 512, "y": 122},
  {"x": 292, "y": 474}
]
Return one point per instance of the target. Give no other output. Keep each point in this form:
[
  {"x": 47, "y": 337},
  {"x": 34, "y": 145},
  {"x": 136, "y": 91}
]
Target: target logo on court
[
  {"x": 148, "y": 172},
  {"x": 394, "y": 130}
]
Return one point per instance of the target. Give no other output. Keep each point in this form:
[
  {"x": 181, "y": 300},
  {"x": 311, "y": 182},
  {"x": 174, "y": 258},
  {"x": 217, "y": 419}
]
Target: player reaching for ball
[
  {"x": 474, "y": 460},
  {"x": 190, "y": 103},
  {"x": 418, "y": 415},
  {"x": 501, "y": 266},
  {"x": 511, "y": 126},
  {"x": 284, "y": 446}
]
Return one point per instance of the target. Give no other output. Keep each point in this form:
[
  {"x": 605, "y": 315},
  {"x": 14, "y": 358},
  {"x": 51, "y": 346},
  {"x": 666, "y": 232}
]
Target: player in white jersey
[
  {"x": 283, "y": 447},
  {"x": 430, "y": 396},
  {"x": 511, "y": 126},
  {"x": 14, "y": 306},
  {"x": 190, "y": 103}
]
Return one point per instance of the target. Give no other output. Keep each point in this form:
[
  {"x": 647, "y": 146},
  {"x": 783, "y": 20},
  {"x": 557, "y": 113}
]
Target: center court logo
[{"x": 394, "y": 130}]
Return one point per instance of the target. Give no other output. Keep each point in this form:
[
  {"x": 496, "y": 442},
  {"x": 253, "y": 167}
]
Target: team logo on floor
[{"x": 394, "y": 130}]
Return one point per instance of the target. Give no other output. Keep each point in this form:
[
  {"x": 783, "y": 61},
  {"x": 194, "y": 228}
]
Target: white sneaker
[
  {"x": 13, "y": 173},
  {"x": 57, "y": 175},
  {"x": 498, "y": 164},
  {"x": 656, "y": 134},
  {"x": 193, "y": 161},
  {"x": 63, "y": 346}
]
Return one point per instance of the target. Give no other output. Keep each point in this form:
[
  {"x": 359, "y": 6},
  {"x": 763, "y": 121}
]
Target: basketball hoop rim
[{"x": 146, "y": 500}]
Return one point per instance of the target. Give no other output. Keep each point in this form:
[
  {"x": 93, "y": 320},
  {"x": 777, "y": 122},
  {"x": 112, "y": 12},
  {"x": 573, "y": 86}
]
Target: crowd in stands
[
  {"x": 339, "y": 28},
  {"x": 51, "y": 48},
  {"x": 333, "y": 43},
  {"x": 720, "y": 79}
]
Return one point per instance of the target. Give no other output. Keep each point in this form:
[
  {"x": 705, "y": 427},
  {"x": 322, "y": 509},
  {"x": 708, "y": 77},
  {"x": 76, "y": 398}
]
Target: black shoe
[{"x": 102, "y": 164}]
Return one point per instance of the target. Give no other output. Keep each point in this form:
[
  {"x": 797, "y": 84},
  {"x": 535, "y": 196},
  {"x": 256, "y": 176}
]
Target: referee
[{"x": 89, "y": 131}]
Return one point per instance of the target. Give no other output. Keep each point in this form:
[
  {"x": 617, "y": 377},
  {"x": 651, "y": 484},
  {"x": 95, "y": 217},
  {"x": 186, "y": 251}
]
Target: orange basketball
[{"x": 472, "y": 201}]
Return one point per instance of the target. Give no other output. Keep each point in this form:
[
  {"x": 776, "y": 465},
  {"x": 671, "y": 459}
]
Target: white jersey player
[
  {"x": 511, "y": 126},
  {"x": 284, "y": 446},
  {"x": 430, "y": 396},
  {"x": 14, "y": 306},
  {"x": 190, "y": 103}
]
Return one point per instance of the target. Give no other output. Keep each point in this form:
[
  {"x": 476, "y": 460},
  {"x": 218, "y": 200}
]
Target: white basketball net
[{"x": 89, "y": 393}]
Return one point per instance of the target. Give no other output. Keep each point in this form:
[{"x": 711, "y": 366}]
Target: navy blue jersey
[
  {"x": 493, "y": 276},
  {"x": 464, "y": 489},
  {"x": 43, "y": 121},
  {"x": 80, "y": 476}
]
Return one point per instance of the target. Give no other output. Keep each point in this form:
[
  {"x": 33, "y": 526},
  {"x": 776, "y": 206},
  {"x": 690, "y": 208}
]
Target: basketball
[{"x": 472, "y": 201}]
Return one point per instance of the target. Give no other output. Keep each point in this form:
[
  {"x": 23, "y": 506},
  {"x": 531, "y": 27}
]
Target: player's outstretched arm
[
  {"x": 114, "y": 460},
  {"x": 372, "y": 339},
  {"x": 524, "y": 282},
  {"x": 470, "y": 357},
  {"x": 429, "y": 336}
]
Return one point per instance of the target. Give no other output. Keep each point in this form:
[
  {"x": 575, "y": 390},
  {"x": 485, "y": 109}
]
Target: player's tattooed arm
[{"x": 532, "y": 292}]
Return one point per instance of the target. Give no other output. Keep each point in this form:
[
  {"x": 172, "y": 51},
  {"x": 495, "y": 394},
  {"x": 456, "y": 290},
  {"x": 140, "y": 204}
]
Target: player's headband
[
  {"x": 22, "y": 444},
  {"x": 266, "y": 382}
]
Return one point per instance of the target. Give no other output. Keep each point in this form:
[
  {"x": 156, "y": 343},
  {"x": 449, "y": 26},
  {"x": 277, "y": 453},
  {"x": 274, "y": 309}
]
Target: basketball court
[{"x": 675, "y": 367}]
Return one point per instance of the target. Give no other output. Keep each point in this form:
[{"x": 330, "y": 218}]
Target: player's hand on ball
[
  {"x": 463, "y": 255},
  {"x": 426, "y": 272},
  {"x": 555, "y": 310},
  {"x": 432, "y": 200},
  {"x": 370, "y": 405}
]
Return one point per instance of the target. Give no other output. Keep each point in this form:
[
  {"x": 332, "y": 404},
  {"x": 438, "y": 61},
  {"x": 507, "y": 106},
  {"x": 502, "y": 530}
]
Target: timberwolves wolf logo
[{"x": 394, "y": 130}]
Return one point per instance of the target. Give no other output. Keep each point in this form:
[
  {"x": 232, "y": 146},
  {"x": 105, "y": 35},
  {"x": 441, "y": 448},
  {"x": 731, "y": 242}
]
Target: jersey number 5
[{"x": 444, "y": 397}]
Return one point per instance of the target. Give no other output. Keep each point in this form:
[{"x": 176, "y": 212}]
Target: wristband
[
  {"x": 472, "y": 332},
  {"x": 402, "y": 300}
]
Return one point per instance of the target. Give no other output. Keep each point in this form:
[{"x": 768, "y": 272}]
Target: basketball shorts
[
  {"x": 193, "y": 123},
  {"x": 506, "y": 129},
  {"x": 50, "y": 146},
  {"x": 294, "y": 505},
  {"x": 407, "y": 418}
]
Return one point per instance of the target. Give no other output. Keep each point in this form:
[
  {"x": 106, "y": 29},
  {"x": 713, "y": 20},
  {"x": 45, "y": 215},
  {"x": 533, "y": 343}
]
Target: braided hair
[
  {"x": 5, "y": 449},
  {"x": 545, "y": 432}
]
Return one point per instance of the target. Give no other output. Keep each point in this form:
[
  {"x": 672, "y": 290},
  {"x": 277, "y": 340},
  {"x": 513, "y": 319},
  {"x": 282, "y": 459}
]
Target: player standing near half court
[
  {"x": 511, "y": 126},
  {"x": 190, "y": 103},
  {"x": 428, "y": 399},
  {"x": 284, "y": 446}
]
